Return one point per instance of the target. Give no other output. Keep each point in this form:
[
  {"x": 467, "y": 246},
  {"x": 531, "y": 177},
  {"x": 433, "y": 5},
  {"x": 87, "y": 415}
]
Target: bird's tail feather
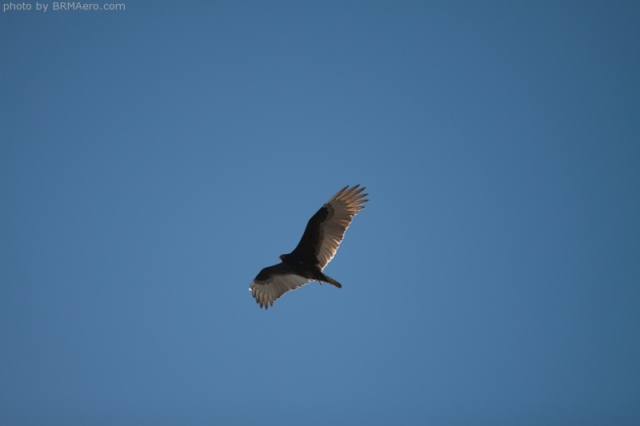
[{"x": 331, "y": 281}]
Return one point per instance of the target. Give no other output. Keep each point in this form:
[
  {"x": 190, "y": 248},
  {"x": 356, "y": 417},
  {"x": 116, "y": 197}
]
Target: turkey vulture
[{"x": 319, "y": 243}]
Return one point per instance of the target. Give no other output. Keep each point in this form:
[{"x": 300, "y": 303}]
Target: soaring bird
[{"x": 319, "y": 243}]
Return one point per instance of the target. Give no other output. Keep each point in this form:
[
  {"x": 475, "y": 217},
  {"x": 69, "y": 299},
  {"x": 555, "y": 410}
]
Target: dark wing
[
  {"x": 272, "y": 282},
  {"x": 325, "y": 230}
]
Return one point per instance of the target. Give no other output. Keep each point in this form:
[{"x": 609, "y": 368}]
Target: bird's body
[{"x": 319, "y": 243}]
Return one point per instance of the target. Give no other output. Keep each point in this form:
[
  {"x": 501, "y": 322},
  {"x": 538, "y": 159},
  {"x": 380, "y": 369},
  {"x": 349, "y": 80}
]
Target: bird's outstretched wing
[
  {"x": 272, "y": 282},
  {"x": 325, "y": 230}
]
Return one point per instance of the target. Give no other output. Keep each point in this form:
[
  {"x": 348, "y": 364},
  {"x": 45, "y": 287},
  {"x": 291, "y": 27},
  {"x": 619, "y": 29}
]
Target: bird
[{"x": 318, "y": 245}]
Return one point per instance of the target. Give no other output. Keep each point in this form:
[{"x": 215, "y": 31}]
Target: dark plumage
[{"x": 319, "y": 243}]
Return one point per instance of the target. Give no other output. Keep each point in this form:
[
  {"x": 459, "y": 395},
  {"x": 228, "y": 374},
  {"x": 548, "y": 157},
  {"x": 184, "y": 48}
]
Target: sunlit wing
[
  {"x": 341, "y": 209},
  {"x": 272, "y": 282}
]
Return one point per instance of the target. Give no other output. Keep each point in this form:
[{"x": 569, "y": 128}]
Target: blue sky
[{"x": 153, "y": 160}]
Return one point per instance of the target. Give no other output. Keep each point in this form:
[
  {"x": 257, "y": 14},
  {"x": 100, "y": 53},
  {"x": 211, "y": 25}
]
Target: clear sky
[{"x": 154, "y": 159}]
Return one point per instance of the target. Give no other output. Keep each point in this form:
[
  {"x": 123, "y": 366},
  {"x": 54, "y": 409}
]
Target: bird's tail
[{"x": 328, "y": 279}]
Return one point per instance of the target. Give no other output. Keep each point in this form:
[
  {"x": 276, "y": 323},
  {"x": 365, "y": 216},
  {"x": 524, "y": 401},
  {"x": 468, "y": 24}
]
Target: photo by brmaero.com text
[{"x": 57, "y": 6}]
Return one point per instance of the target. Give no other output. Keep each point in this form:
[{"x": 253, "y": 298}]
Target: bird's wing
[
  {"x": 272, "y": 282},
  {"x": 326, "y": 229}
]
